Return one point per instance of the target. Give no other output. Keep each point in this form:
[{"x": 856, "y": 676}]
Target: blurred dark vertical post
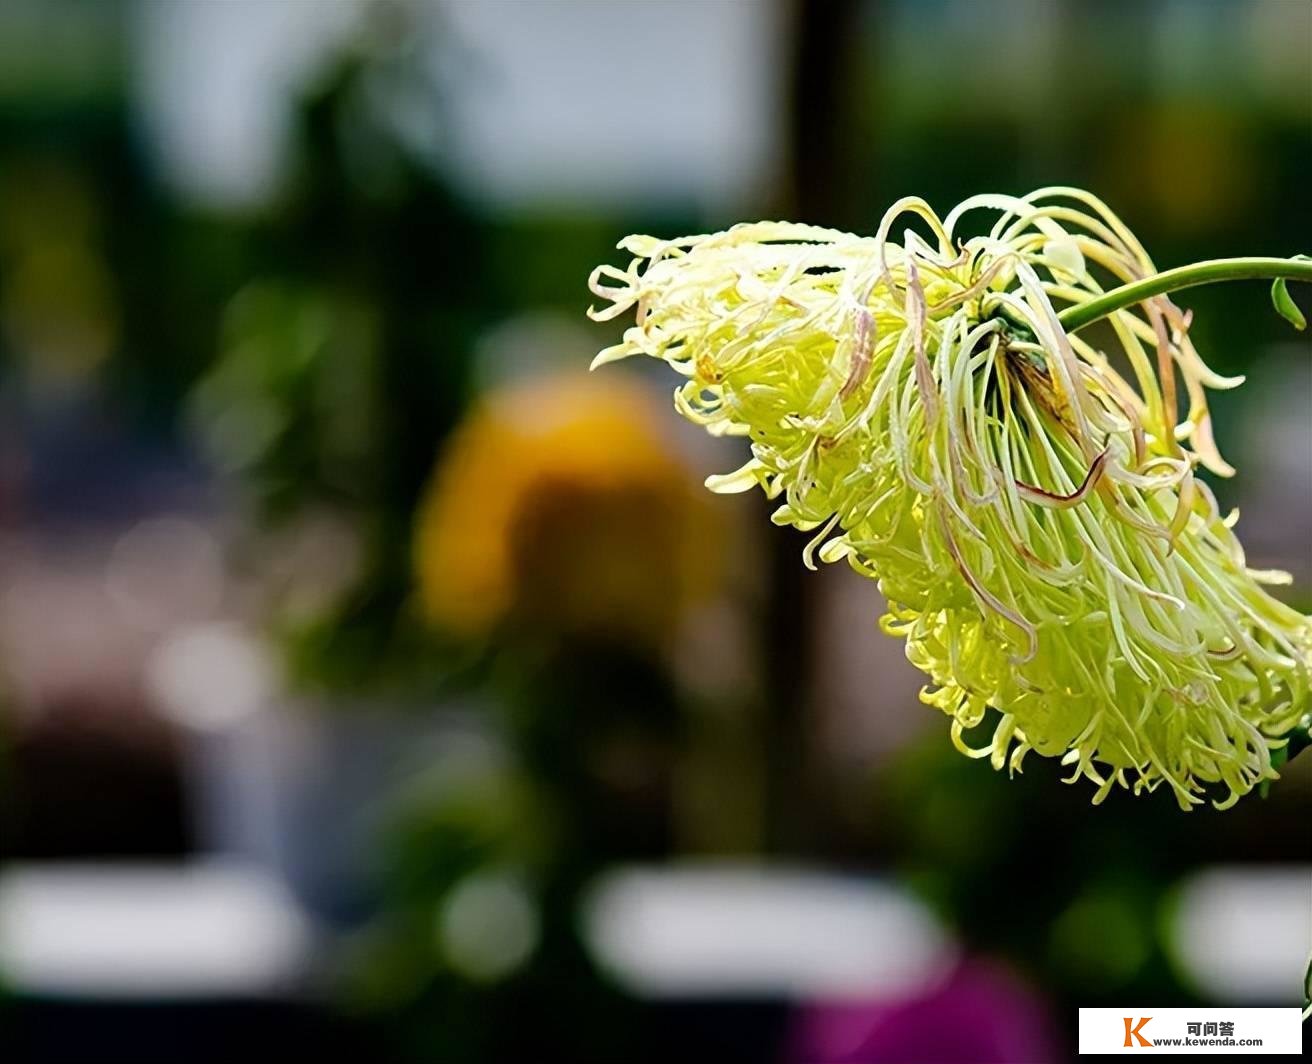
[
  {"x": 828, "y": 137},
  {"x": 829, "y": 124}
]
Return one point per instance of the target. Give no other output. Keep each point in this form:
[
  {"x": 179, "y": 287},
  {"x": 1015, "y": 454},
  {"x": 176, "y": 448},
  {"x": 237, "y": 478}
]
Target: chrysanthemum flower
[{"x": 1028, "y": 502}]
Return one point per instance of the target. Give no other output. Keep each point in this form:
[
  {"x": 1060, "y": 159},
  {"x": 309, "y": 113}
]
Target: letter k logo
[{"x": 1133, "y": 1032}]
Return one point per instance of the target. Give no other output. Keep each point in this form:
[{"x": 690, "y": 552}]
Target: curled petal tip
[{"x": 611, "y": 354}]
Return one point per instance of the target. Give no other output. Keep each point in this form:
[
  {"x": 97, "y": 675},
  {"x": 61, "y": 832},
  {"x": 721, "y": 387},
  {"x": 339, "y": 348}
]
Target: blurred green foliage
[
  {"x": 545, "y": 813},
  {"x": 1076, "y": 896}
]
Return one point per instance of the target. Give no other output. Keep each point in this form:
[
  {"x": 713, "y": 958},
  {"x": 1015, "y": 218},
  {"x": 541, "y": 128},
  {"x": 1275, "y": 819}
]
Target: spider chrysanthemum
[{"x": 1029, "y": 503}]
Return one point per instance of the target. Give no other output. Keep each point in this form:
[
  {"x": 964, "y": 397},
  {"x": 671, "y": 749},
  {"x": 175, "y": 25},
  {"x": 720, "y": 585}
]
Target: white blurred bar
[
  {"x": 159, "y": 932},
  {"x": 726, "y": 931},
  {"x": 1243, "y": 934}
]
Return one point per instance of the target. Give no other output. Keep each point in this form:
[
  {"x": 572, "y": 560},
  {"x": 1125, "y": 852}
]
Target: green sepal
[{"x": 1284, "y": 302}]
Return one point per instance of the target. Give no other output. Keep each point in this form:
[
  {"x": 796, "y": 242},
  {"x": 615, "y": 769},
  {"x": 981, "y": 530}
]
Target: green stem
[
  {"x": 1301, "y": 737},
  {"x": 1077, "y": 317}
]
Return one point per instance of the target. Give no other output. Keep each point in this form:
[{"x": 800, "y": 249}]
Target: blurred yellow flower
[{"x": 558, "y": 505}]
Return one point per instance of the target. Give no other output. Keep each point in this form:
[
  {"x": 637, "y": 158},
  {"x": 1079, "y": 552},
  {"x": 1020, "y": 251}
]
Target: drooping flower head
[{"x": 1031, "y": 510}]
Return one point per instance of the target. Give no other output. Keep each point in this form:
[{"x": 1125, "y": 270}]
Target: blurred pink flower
[{"x": 980, "y": 1015}]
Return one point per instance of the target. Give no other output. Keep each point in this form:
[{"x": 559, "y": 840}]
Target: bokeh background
[{"x": 377, "y": 682}]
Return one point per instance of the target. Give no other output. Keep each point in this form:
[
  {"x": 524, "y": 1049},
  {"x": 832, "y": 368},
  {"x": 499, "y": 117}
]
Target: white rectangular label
[{"x": 1212, "y": 1030}]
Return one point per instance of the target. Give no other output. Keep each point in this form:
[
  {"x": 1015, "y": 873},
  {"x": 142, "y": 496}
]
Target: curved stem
[{"x": 1077, "y": 317}]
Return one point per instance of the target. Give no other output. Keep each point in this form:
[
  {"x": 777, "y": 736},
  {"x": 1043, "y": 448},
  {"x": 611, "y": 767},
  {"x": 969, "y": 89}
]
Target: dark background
[{"x": 331, "y": 599}]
